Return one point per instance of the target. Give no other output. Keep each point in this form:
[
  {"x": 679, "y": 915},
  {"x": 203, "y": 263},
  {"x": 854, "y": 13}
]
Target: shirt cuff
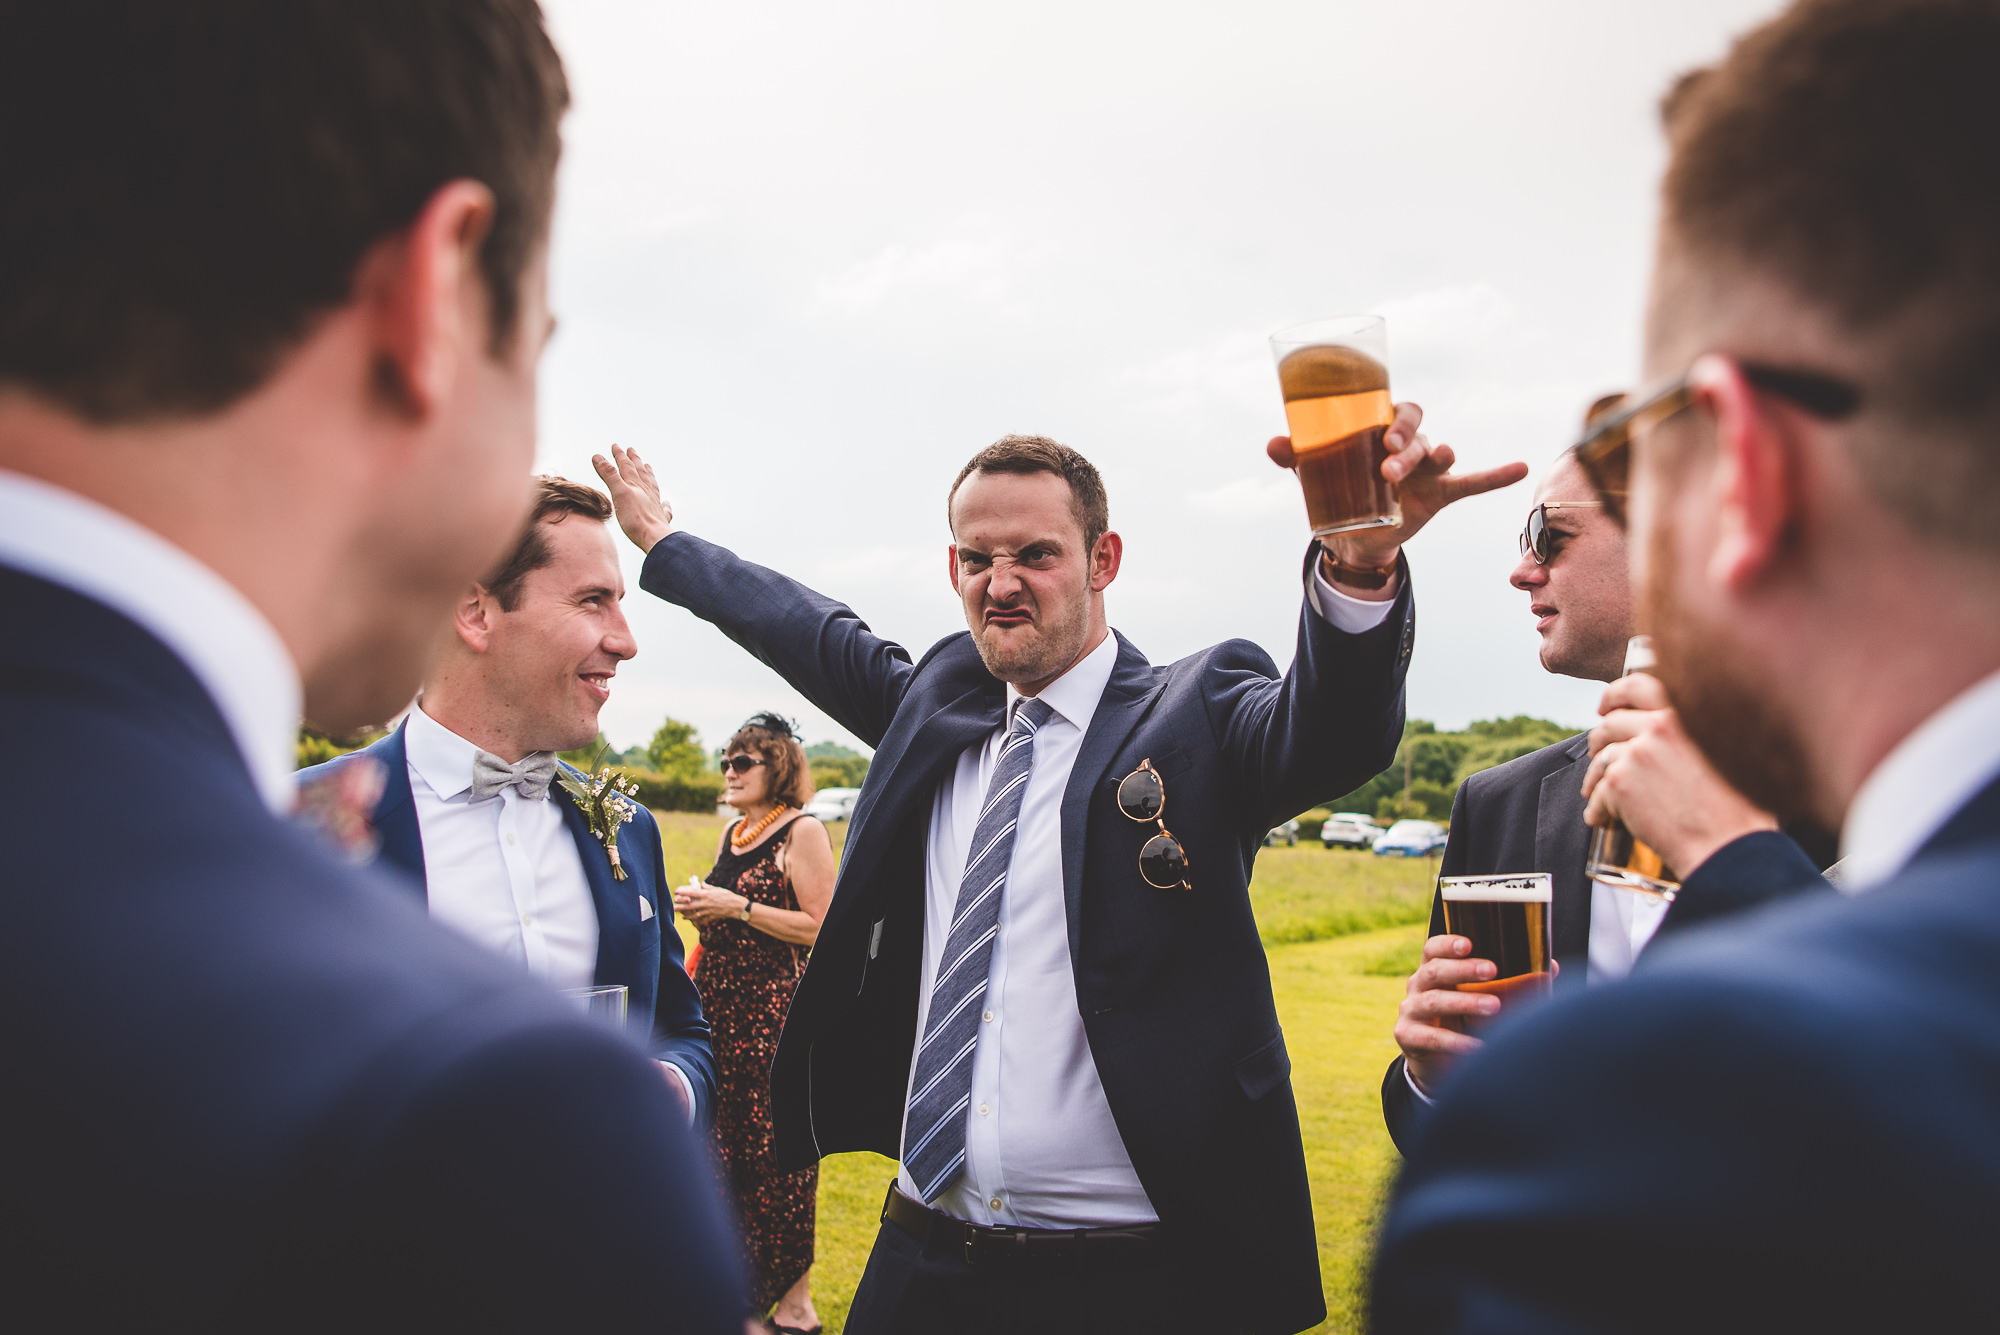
[
  {"x": 687, "y": 1088},
  {"x": 1411, "y": 1080},
  {"x": 1342, "y": 612}
]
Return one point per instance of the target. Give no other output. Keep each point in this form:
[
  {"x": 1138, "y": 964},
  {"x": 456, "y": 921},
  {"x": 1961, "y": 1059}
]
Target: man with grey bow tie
[{"x": 471, "y": 808}]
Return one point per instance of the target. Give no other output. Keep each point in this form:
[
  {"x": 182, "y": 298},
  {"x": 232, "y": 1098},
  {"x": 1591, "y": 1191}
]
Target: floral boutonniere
[{"x": 606, "y": 803}]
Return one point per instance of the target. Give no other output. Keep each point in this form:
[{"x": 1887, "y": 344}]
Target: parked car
[
  {"x": 1349, "y": 829},
  {"x": 1286, "y": 834},
  {"x": 833, "y": 803},
  {"x": 1411, "y": 839}
]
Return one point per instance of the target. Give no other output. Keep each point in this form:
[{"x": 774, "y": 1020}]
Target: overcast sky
[{"x": 809, "y": 258}]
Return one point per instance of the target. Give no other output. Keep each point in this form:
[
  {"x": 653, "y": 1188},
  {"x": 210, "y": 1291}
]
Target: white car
[
  {"x": 831, "y": 804},
  {"x": 1349, "y": 829}
]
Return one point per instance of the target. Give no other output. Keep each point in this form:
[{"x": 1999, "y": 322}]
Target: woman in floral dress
[{"x": 758, "y": 914}]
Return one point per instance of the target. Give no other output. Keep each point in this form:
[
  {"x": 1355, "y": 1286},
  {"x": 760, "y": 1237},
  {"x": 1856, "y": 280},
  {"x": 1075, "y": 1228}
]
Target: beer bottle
[{"x": 1616, "y": 858}]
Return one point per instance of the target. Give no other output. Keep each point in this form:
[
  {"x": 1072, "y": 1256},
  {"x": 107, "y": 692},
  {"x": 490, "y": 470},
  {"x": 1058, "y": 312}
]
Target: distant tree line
[{"x": 1430, "y": 765}]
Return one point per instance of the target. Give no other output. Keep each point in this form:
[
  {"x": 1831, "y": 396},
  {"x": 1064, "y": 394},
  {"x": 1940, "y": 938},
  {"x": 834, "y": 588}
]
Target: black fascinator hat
[{"x": 775, "y": 724}]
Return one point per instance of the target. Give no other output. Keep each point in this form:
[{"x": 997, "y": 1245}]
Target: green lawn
[{"x": 1343, "y": 930}]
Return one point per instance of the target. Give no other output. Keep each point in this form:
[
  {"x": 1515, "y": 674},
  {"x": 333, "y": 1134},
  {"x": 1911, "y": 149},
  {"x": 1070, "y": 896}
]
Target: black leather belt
[{"x": 982, "y": 1246}]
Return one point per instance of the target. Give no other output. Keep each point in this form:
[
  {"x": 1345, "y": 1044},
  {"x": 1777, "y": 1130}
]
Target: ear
[
  {"x": 951, "y": 560},
  {"x": 425, "y": 299},
  {"x": 1756, "y": 479},
  {"x": 1105, "y": 558},
  {"x": 475, "y": 617}
]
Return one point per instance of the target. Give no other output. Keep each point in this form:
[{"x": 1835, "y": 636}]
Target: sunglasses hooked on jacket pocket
[{"x": 1142, "y": 796}]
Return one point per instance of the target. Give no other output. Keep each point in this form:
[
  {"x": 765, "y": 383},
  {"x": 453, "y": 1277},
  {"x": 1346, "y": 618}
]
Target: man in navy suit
[
  {"x": 472, "y": 808},
  {"x": 1039, "y": 983},
  {"x": 1785, "y": 1122},
  {"x": 270, "y": 318}
]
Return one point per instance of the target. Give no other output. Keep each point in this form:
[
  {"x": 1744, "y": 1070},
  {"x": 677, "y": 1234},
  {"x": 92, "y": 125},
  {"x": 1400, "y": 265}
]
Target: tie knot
[
  {"x": 1030, "y": 715},
  {"x": 529, "y": 776}
]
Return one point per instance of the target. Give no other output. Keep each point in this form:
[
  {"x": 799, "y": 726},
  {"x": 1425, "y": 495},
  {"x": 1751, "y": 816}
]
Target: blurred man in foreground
[
  {"x": 270, "y": 316},
  {"x": 1788, "y": 1124}
]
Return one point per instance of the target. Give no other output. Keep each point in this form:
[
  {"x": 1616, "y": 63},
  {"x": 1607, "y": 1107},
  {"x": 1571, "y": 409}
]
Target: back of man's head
[
  {"x": 1849, "y": 152},
  {"x": 188, "y": 185}
]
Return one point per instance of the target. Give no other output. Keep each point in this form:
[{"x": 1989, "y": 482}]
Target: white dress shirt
[
  {"x": 1621, "y": 923},
  {"x": 504, "y": 872},
  {"x": 214, "y": 630},
  {"x": 1041, "y": 1149},
  {"x": 1920, "y": 785}
]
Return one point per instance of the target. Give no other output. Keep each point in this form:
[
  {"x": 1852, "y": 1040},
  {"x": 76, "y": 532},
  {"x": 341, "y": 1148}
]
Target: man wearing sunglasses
[
  {"x": 1039, "y": 983},
  {"x": 1787, "y": 1124}
]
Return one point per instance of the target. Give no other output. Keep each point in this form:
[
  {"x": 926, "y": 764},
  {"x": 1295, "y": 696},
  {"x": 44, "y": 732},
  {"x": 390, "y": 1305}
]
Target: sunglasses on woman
[
  {"x": 1605, "y": 452},
  {"x": 1142, "y": 796},
  {"x": 742, "y": 763}
]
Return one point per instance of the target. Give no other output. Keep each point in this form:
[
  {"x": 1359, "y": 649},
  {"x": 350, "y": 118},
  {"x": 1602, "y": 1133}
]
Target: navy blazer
[
  {"x": 1790, "y": 1121},
  {"x": 1173, "y": 986},
  {"x": 1527, "y": 815},
  {"x": 643, "y": 954},
  {"x": 250, "y": 1087}
]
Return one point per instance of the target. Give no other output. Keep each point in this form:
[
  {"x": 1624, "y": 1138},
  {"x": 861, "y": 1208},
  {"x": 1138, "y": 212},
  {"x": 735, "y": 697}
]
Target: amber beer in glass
[
  {"x": 1616, "y": 858},
  {"x": 1507, "y": 920},
  {"x": 1335, "y": 378}
]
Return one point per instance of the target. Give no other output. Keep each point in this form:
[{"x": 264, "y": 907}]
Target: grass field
[{"x": 1343, "y": 930}]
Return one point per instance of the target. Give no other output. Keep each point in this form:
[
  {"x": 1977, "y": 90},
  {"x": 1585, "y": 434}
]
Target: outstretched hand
[
  {"x": 1425, "y": 485},
  {"x": 635, "y": 495}
]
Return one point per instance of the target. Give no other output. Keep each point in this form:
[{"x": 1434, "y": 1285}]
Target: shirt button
[
  {"x": 527, "y": 920},
  {"x": 983, "y": 1110},
  {"x": 510, "y": 838},
  {"x": 988, "y": 1017},
  {"x": 993, "y": 1204}
]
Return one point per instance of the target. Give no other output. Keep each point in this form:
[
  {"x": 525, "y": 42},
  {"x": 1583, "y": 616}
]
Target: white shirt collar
[
  {"x": 441, "y": 757},
  {"x": 1920, "y": 785},
  {"x": 1076, "y": 692},
  {"x": 225, "y": 642}
]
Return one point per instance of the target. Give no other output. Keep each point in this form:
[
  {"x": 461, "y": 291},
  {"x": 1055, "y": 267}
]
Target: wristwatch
[
  {"x": 1355, "y": 577},
  {"x": 747, "y": 902}
]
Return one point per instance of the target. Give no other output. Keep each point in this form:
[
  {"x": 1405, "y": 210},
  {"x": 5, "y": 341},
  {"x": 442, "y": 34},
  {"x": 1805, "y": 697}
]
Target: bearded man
[
  {"x": 1787, "y": 1122},
  {"x": 1039, "y": 983}
]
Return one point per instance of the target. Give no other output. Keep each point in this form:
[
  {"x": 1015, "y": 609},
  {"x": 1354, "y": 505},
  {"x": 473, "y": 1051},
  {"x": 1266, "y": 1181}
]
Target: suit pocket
[{"x": 1264, "y": 1069}]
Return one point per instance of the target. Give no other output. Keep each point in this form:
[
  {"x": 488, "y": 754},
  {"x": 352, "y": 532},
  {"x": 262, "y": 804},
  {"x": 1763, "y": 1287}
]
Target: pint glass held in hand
[
  {"x": 1507, "y": 920},
  {"x": 1335, "y": 378}
]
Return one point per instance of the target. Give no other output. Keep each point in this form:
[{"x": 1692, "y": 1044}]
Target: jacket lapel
[
  {"x": 617, "y": 901},
  {"x": 1127, "y": 696},
  {"x": 1562, "y": 842},
  {"x": 396, "y": 811}
]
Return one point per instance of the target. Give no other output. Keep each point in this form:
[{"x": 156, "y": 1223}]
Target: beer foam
[
  {"x": 1532, "y": 887},
  {"x": 1324, "y": 369}
]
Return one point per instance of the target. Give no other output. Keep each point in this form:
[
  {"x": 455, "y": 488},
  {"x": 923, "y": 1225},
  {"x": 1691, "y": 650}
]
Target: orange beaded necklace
[{"x": 746, "y": 835}]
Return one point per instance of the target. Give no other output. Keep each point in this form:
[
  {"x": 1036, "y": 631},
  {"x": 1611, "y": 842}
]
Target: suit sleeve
[
  {"x": 680, "y": 1030},
  {"x": 1401, "y": 1108},
  {"x": 1328, "y": 725},
  {"x": 1745, "y": 873},
  {"x": 821, "y": 647}
]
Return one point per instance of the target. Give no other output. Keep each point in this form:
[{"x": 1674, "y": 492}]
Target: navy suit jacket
[
  {"x": 1790, "y": 1121},
  {"x": 250, "y": 1087},
  {"x": 642, "y": 954},
  {"x": 1173, "y": 986},
  {"x": 1527, "y": 815}
]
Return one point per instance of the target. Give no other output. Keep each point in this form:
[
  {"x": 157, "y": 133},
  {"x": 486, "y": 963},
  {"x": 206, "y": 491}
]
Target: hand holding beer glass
[
  {"x": 1495, "y": 953},
  {"x": 1370, "y": 478}
]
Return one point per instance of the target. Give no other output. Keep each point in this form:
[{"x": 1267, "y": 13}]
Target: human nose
[
  {"x": 618, "y": 639},
  {"x": 1003, "y": 582},
  {"x": 1528, "y": 573}
]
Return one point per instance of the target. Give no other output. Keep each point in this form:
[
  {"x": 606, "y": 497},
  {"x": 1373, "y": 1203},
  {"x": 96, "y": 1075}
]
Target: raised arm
[{"x": 821, "y": 647}]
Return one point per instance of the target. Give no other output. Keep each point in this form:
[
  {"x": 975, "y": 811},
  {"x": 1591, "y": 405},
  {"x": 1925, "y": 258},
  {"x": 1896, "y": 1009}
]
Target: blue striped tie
[{"x": 934, "y": 1125}]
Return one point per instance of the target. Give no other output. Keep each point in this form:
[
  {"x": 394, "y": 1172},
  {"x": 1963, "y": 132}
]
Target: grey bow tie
[{"x": 530, "y": 778}]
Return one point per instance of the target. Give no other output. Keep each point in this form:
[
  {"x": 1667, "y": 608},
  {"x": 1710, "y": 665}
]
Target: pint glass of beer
[
  {"x": 1617, "y": 857},
  {"x": 1335, "y": 378},
  {"x": 1507, "y": 920}
]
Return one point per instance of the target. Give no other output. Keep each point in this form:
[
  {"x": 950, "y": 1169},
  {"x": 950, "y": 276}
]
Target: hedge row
[{"x": 677, "y": 792}]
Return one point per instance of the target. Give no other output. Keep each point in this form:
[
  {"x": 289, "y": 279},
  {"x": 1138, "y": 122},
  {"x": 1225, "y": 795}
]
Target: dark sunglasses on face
[
  {"x": 1535, "y": 534},
  {"x": 1142, "y": 796},
  {"x": 741, "y": 763},
  {"x": 1605, "y": 452}
]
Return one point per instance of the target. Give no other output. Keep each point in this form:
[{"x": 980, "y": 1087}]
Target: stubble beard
[
  {"x": 1727, "y": 705},
  {"x": 1046, "y": 653}
]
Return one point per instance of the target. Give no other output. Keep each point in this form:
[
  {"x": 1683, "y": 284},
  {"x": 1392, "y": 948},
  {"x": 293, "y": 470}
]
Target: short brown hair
[
  {"x": 556, "y": 498},
  {"x": 190, "y": 185},
  {"x": 1850, "y": 151},
  {"x": 784, "y": 760},
  {"x": 1039, "y": 454}
]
